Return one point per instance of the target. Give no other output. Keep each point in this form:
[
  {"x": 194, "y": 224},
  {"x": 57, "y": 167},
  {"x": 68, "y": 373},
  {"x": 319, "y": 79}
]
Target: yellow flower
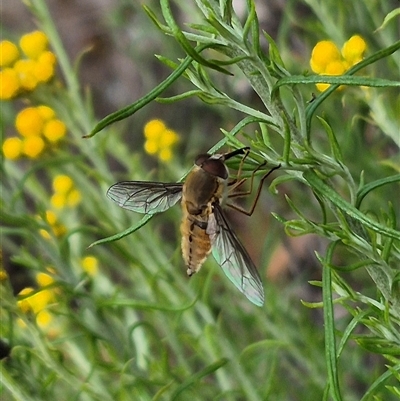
[
  {"x": 165, "y": 154},
  {"x": 46, "y": 112},
  {"x": 39, "y": 300},
  {"x": 51, "y": 218},
  {"x": 35, "y": 302},
  {"x": 151, "y": 146},
  {"x": 64, "y": 192},
  {"x": 25, "y": 70},
  {"x": 168, "y": 138},
  {"x": 3, "y": 275},
  {"x": 43, "y": 318},
  {"x": 57, "y": 228},
  {"x": 336, "y": 67},
  {"x": 12, "y": 148},
  {"x": 47, "y": 57},
  {"x": 45, "y": 66},
  {"x": 159, "y": 139},
  {"x": 353, "y": 50},
  {"x": 9, "y": 84},
  {"x": 33, "y": 146},
  {"x": 58, "y": 201},
  {"x": 54, "y": 130},
  {"x": 9, "y": 53},
  {"x": 323, "y": 53},
  {"x": 62, "y": 184},
  {"x": 25, "y": 73},
  {"x": 36, "y": 124},
  {"x": 73, "y": 198},
  {"x": 327, "y": 60},
  {"x": 154, "y": 128},
  {"x": 23, "y": 303},
  {"x": 29, "y": 122},
  {"x": 45, "y": 234},
  {"x": 34, "y": 43},
  {"x": 90, "y": 265},
  {"x": 44, "y": 279}
]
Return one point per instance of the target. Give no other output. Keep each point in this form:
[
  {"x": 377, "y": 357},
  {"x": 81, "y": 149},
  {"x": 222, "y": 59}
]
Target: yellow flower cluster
[
  {"x": 57, "y": 228},
  {"x": 19, "y": 75},
  {"x": 326, "y": 59},
  {"x": 36, "y": 126},
  {"x": 159, "y": 140},
  {"x": 64, "y": 192},
  {"x": 38, "y": 302}
]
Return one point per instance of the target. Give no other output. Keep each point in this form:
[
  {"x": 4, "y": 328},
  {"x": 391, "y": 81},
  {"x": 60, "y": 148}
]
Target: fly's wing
[
  {"x": 145, "y": 196},
  {"x": 233, "y": 258}
]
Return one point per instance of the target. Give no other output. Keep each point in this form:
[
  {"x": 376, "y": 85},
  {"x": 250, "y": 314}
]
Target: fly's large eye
[
  {"x": 215, "y": 167},
  {"x": 200, "y": 159}
]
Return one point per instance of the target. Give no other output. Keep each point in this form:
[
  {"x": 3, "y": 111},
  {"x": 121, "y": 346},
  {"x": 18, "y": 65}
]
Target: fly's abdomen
[{"x": 196, "y": 245}]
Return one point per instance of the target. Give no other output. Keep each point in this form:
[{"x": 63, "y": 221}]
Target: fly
[{"x": 204, "y": 227}]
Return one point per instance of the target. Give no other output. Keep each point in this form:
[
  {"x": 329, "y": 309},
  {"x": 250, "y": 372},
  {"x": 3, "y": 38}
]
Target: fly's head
[{"x": 213, "y": 165}]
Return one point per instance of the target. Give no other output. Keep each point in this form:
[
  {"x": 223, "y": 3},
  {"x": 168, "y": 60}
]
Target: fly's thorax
[{"x": 201, "y": 189}]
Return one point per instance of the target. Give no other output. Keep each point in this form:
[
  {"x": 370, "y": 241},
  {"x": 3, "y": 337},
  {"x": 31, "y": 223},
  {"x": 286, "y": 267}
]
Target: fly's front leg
[
  {"x": 237, "y": 182},
  {"x": 245, "y": 193}
]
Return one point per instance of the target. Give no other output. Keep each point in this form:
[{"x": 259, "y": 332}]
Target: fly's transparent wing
[
  {"x": 233, "y": 258},
  {"x": 145, "y": 196}
]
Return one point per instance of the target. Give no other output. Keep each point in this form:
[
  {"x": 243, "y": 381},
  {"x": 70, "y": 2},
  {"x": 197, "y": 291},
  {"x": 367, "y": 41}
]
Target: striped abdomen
[{"x": 196, "y": 244}]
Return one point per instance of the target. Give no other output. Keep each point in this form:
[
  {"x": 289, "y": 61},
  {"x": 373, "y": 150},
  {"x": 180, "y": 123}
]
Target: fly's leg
[
  {"x": 237, "y": 182},
  {"x": 245, "y": 193}
]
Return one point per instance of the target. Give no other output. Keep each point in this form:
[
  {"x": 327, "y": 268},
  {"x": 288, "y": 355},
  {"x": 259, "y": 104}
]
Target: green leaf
[
  {"x": 335, "y": 148},
  {"x": 181, "y": 39},
  {"x": 123, "y": 234},
  {"x": 336, "y": 80},
  {"x": 379, "y": 382},
  {"x": 329, "y": 328},
  {"x": 198, "y": 376},
  {"x": 134, "y": 107},
  {"x": 274, "y": 53},
  {"x": 153, "y": 17},
  {"x": 366, "y": 189},
  {"x": 327, "y": 192},
  {"x": 392, "y": 15}
]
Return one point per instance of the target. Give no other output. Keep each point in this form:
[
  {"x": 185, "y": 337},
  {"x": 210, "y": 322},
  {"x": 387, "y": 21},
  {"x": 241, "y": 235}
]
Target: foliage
[{"x": 128, "y": 325}]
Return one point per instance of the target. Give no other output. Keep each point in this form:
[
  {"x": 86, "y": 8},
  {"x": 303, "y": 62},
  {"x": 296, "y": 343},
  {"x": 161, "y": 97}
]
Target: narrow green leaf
[
  {"x": 379, "y": 383},
  {"x": 392, "y": 222},
  {"x": 154, "y": 19},
  {"x": 335, "y": 148},
  {"x": 197, "y": 376},
  {"x": 177, "y": 98},
  {"x": 329, "y": 328},
  {"x": 132, "y": 303},
  {"x": 134, "y": 107},
  {"x": 180, "y": 37},
  {"x": 287, "y": 142},
  {"x": 336, "y": 80},
  {"x": 124, "y": 233},
  {"x": 274, "y": 53},
  {"x": 392, "y": 15},
  {"x": 327, "y": 192},
  {"x": 366, "y": 189}
]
